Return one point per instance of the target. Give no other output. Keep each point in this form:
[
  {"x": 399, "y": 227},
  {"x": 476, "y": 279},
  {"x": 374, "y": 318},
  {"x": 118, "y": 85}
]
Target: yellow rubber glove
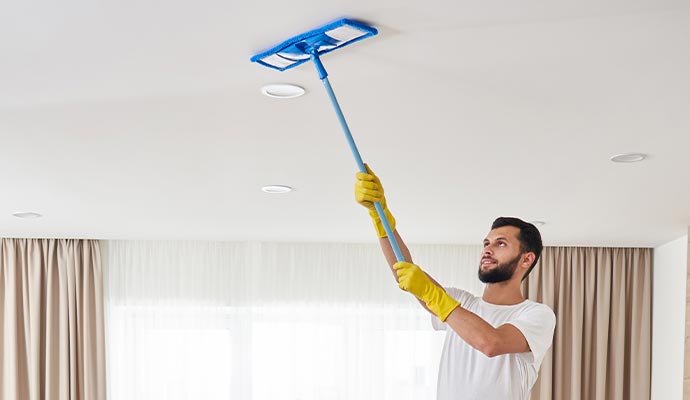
[
  {"x": 368, "y": 189},
  {"x": 412, "y": 279}
]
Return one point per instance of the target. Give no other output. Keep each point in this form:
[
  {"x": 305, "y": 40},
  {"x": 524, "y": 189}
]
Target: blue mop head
[{"x": 298, "y": 49}]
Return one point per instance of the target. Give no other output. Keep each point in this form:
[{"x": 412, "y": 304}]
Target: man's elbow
[
  {"x": 490, "y": 348},
  {"x": 491, "y": 352}
]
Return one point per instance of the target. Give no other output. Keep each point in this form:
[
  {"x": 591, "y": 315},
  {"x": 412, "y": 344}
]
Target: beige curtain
[
  {"x": 602, "y": 298},
  {"x": 51, "y": 308}
]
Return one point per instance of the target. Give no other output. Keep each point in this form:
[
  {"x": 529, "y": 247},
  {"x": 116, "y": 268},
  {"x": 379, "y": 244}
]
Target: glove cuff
[
  {"x": 441, "y": 304},
  {"x": 378, "y": 224}
]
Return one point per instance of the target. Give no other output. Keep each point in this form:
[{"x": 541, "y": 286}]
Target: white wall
[{"x": 668, "y": 319}]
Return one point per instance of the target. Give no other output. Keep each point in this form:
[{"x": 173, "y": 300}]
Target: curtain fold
[
  {"x": 602, "y": 345},
  {"x": 51, "y": 307}
]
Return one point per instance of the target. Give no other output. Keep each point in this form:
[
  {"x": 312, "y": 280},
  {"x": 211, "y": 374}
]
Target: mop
[{"x": 310, "y": 46}]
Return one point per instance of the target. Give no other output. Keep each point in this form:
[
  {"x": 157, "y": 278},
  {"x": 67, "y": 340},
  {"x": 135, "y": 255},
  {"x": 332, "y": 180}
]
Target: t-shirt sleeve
[
  {"x": 537, "y": 324},
  {"x": 458, "y": 294}
]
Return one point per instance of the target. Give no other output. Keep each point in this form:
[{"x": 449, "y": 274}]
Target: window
[{"x": 265, "y": 353}]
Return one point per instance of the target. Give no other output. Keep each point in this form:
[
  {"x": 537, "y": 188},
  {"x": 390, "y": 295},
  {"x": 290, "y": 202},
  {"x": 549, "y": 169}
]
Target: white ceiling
[{"x": 143, "y": 120}]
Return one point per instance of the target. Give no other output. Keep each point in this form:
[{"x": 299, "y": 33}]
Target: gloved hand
[
  {"x": 412, "y": 279},
  {"x": 368, "y": 189}
]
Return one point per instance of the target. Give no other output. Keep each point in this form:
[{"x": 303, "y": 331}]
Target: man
[{"x": 496, "y": 342}]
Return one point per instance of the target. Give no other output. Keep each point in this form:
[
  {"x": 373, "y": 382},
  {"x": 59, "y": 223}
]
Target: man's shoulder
[{"x": 535, "y": 308}]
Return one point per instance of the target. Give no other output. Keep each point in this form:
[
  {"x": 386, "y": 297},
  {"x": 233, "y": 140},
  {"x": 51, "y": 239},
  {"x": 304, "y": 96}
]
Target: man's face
[{"x": 501, "y": 255}]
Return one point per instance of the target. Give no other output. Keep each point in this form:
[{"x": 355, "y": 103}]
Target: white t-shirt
[{"x": 467, "y": 374}]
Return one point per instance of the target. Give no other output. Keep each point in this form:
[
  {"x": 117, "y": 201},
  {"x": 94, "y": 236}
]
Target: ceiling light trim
[
  {"x": 27, "y": 215},
  {"x": 277, "y": 189},
  {"x": 628, "y": 157},
  {"x": 283, "y": 90}
]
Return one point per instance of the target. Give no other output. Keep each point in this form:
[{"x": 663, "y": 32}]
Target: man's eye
[{"x": 501, "y": 243}]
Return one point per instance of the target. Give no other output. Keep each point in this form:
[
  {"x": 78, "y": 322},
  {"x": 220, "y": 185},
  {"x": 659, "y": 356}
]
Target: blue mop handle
[{"x": 323, "y": 75}]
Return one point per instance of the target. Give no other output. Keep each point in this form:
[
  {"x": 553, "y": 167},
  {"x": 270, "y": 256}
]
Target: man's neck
[{"x": 503, "y": 293}]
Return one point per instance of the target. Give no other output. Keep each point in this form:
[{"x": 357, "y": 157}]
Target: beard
[{"x": 501, "y": 273}]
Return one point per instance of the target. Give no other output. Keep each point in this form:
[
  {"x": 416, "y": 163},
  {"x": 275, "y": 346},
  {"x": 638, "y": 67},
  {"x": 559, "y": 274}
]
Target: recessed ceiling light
[
  {"x": 27, "y": 214},
  {"x": 628, "y": 157},
  {"x": 276, "y": 189},
  {"x": 283, "y": 90}
]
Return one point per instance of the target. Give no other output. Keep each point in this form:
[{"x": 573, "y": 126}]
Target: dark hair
[{"x": 529, "y": 237}]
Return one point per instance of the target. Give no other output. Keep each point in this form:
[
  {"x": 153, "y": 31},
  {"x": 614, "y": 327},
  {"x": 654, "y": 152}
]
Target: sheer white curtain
[{"x": 260, "y": 321}]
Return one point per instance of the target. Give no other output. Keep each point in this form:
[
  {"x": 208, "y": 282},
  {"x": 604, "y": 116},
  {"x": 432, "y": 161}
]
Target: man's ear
[{"x": 527, "y": 260}]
